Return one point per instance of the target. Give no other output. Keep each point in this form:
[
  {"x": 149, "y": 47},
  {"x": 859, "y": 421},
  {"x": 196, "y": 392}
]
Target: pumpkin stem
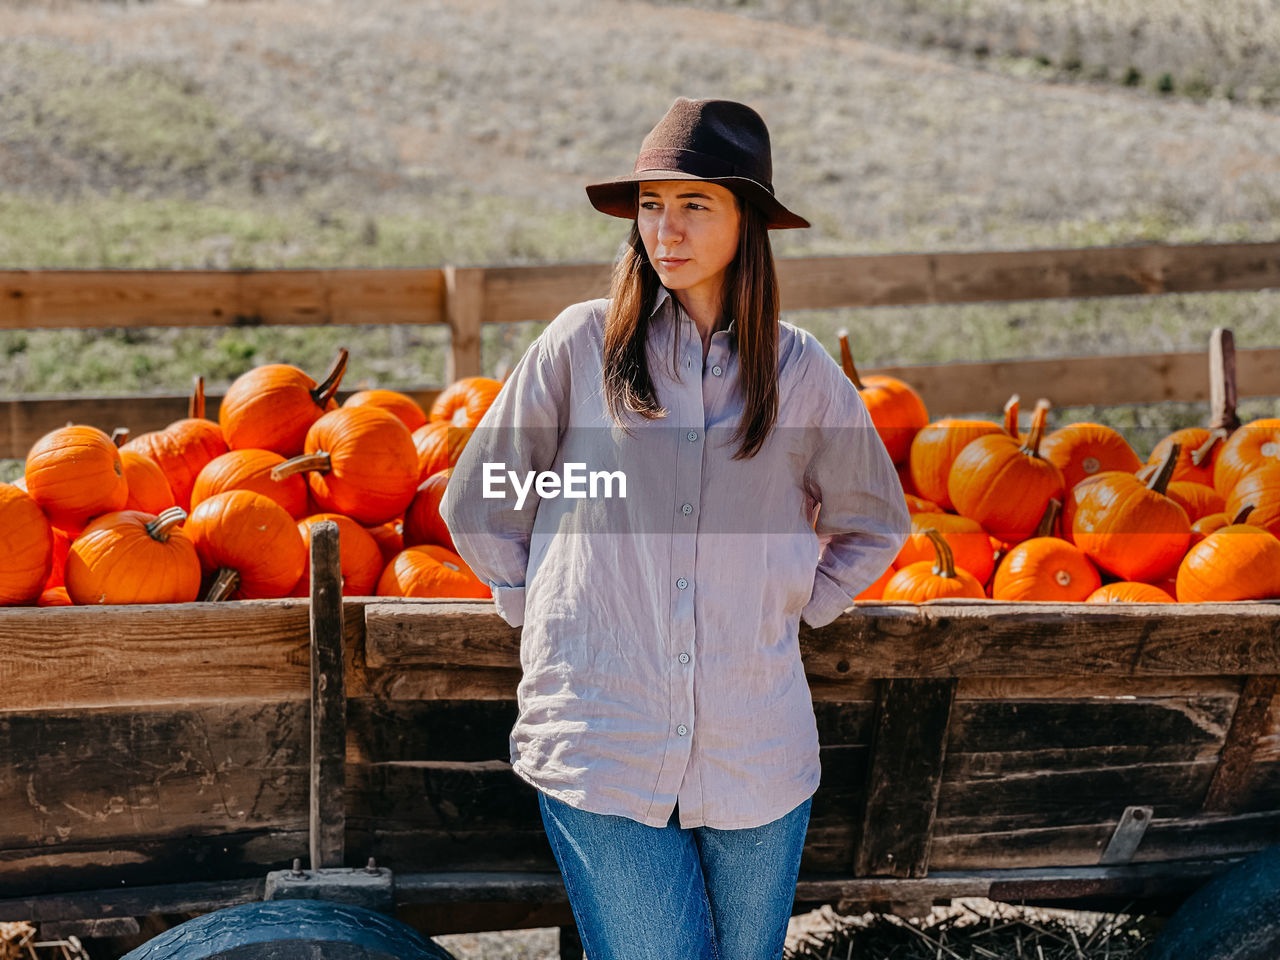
[
  {"x": 1031, "y": 447},
  {"x": 224, "y": 584},
  {"x": 846, "y": 358},
  {"x": 1205, "y": 450},
  {"x": 1222, "y": 381},
  {"x": 159, "y": 527},
  {"x": 303, "y": 463},
  {"x": 945, "y": 565},
  {"x": 120, "y": 436},
  {"x": 1051, "y": 511},
  {"x": 1011, "y": 416},
  {"x": 195, "y": 407},
  {"x": 327, "y": 387},
  {"x": 1159, "y": 481},
  {"x": 1242, "y": 515}
]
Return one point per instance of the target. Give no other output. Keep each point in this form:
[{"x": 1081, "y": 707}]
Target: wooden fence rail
[{"x": 465, "y": 298}]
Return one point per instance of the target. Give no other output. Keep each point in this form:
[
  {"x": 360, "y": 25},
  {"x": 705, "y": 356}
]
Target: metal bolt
[
  {"x": 297, "y": 867},
  {"x": 372, "y": 867}
]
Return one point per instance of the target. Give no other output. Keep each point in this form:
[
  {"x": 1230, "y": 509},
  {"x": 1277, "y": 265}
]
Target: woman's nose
[{"x": 669, "y": 231}]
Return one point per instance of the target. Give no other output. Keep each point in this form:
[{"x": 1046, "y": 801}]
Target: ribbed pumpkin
[
  {"x": 55, "y": 597},
  {"x": 1128, "y": 591},
  {"x": 248, "y": 544},
  {"x": 1237, "y": 562},
  {"x": 390, "y": 538},
  {"x": 26, "y": 547},
  {"x": 1076, "y": 494},
  {"x": 149, "y": 490},
  {"x": 1261, "y": 488},
  {"x": 917, "y": 504},
  {"x": 1190, "y": 441},
  {"x": 1005, "y": 485},
  {"x": 134, "y": 557},
  {"x": 393, "y": 401},
  {"x": 1197, "y": 499},
  {"x": 1083, "y": 449},
  {"x": 251, "y": 470},
  {"x": 1130, "y": 529},
  {"x": 439, "y": 445},
  {"x": 429, "y": 570},
  {"x": 75, "y": 474},
  {"x": 464, "y": 402},
  {"x": 896, "y": 409},
  {"x": 273, "y": 406},
  {"x": 1045, "y": 568},
  {"x": 1216, "y": 521},
  {"x": 935, "y": 448},
  {"x": 1254, "y": 445},
  {"x": 183, "y": 448},
  {"x": 359, "y": 461},
  {"x": 61, "y": 547},
  {"x": 422, "y": 520},
  {"x": 359, "y": 557},
  {"x": 937, "y": 579},
  {"x": 969, "y": 543}
]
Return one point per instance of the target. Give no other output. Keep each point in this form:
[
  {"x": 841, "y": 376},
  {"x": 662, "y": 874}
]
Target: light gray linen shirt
[{"x": 660, "y": 648}]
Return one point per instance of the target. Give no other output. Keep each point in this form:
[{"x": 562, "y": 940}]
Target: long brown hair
[{"x": 750, "y": 297}]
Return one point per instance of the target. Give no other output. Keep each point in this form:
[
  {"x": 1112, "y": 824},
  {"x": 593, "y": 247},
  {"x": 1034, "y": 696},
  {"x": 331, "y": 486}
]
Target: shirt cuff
[
  {"x": 827, "y": 602},
  {"x": 510, "y": 603}
]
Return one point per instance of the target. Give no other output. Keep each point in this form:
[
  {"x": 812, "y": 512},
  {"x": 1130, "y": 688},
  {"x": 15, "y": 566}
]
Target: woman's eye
[
  {"x": 649, "y": 204},
  {"x": 697, "y": 206}
]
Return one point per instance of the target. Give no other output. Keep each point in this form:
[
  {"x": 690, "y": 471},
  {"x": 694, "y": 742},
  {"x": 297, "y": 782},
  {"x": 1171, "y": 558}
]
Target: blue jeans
[{"x": 648, "y": 893}]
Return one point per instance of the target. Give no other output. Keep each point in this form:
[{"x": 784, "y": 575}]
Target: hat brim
[{"x": 619, "y": 197}]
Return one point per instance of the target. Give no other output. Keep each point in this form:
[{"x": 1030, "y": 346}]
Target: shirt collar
[{"x": 664, "y": 295}]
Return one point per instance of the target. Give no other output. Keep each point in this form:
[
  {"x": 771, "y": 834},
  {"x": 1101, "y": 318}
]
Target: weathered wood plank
[
  {"x": 1098, "y": 689},
  {"x": 328, "y": 701},
  {"x": 32, "y": 299},
  {"x": 1230, "y": 786},
  {"x": 909, "y": 748},
  {"x": 464, "y": 309}
]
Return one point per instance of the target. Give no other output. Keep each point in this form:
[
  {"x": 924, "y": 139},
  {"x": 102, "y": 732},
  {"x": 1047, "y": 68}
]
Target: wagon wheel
[
  {"x": 1235, "y": 916},
  {"x": 291, "y": 930}
]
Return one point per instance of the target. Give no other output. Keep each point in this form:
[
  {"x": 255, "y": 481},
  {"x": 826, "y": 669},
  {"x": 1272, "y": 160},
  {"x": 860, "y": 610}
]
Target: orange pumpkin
[
  {"x": 422, "y": 521},
  {"x": 61, "y": 547},
  {"x": 75, "y": 474},
  {"x": 876, "y": 590},
  {"x": 1076, "y": 494},
  {"x": 26, "y": 547},
  {"x": 54, "y": 597},
  {"x": 1045, "y": 568},
  {"x": 1194, "y": 463},
  {"x": 439, "y": 445},
  {"x": 896, "y": 410},
  {"x": 904, "y": 477},
  {"x": 273, "y": 406},
  {"x": 359, "y": 461},
  {"x": 359, "y": 556},
  {"x": 390, "y": 539},
  {"x": 1004, "y": 485},
  {"x": 1128, "y": 591},
  {"x": 251, "y": 470},
  {"x": 1254, "y": 445},
  {"x": 134, "y": 557},
  {"x": 149, "y": 490},
  {"x": 1237, "y": 562},
  {"x": 1216, "y": 521},
  {"x": 969, "y": 543},
  {"x": 248, "y": 544},
  {"x": 402, "y": 405},
  {"x": 921, "y": 505},
  {"x": 1081, "y": 450},
  {"x": 1197, "y": 499},
  {"x": 429, "y": 570},
  {"x": 464, "y": 402},
  {"x": 935, "y": 448},
  {"x": 183, "y": 448},
  {"x": 939, "y": 579},
  {"x": 1130, "y": 529},
  {"x": 1261, "y": 488}
]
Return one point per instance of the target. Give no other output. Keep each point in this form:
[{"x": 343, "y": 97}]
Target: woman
[{"x": 664, "y": 716}]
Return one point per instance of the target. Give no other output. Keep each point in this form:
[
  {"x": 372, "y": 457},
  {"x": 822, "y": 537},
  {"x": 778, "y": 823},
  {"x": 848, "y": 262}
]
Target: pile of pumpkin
[
  {"x": 1075, "y": 515},
  {"x": 212, "y": 510}
]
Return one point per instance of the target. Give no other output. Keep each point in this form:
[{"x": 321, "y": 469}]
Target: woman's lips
[{"x": 671, "y": 262}]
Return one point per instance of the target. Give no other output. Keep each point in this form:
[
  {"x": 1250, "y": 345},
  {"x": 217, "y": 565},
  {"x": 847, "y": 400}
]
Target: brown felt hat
[{"x": 722, "y": 141}]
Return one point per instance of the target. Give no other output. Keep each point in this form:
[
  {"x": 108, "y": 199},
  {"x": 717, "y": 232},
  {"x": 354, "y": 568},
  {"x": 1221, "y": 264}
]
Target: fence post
[{"x": 464, "y": 312}]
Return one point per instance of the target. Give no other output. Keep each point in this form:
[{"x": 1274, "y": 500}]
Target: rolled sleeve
[{"x": 863, "y": 511}]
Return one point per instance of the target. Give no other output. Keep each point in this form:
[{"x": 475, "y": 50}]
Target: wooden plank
[
  {"x": 976, "y": 638},
  {"x": 328, "y": 701},
  {"x": 57, "y": 658},
  {"x": 44, "y": 299},
  {"x": 515, "y": 294},
  {"x": 1100, "y": 689},
  {"x": 464, "y": 310},
  {"x": 908, "y": 752},
  {"x": 139, "y": 901},
  {"x": 1252, "y": 722}
]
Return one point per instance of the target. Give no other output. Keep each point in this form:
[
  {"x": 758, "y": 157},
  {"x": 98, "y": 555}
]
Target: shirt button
[
  {"x": 693, "y": 435},
  {"x": 682, "y": 729},
  {"x": 682, "y": 583},
  {"x": 687, "y": 509},
  {"x": 716, "y": 370},
  {"x": 684, "y": 658}
]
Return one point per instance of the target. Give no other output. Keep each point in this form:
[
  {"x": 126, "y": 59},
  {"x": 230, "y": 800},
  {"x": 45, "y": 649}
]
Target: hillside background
[{"x": 263, "y": 133}]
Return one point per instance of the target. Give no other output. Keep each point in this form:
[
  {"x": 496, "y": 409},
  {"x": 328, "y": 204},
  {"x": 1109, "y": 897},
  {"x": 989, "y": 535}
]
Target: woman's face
[{"x": 690, "y": 232}]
